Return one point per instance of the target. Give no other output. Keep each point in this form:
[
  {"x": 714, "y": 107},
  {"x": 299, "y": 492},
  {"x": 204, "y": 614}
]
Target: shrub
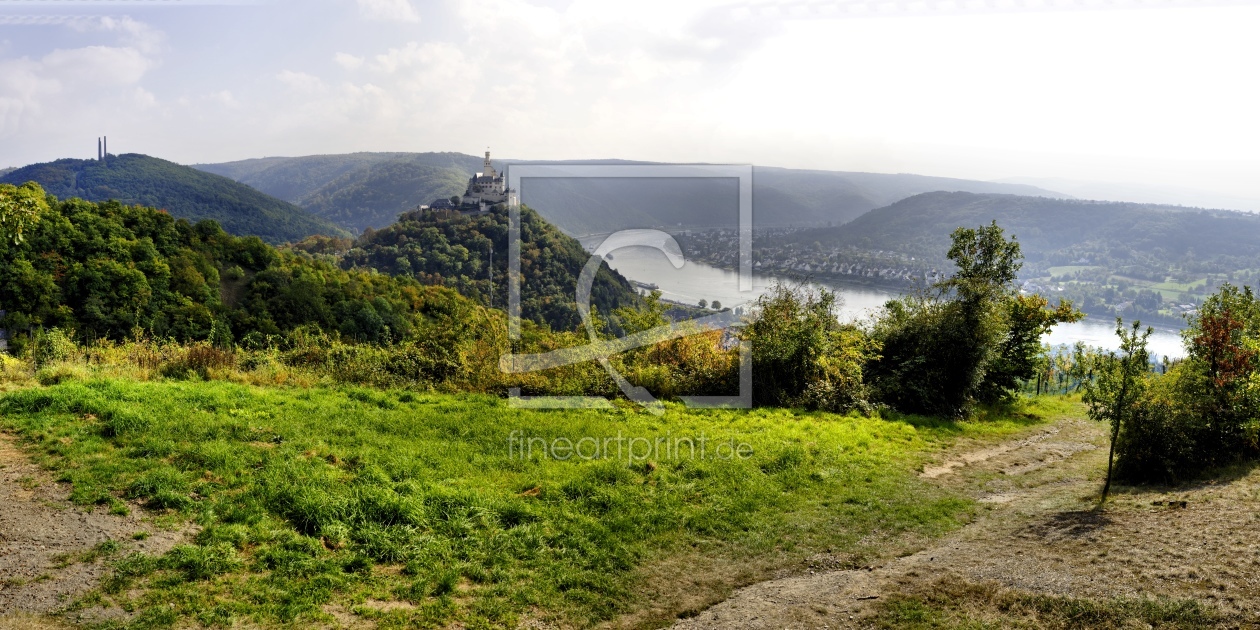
[
  {"x": 198, "y": 358},
  {"x": 51, "y": 346},
  {"x": 802, "y": 355}
]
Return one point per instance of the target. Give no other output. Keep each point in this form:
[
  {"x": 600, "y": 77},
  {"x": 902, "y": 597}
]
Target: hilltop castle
[{"x": 487, "y": 187}]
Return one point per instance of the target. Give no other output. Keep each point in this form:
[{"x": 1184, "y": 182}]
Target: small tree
[
  {"x": 1118, "y": 385},
  {"x": 704, "y": 303},
  {"x": 716, "y": 305},
  {"x": 1222, "y": 345}
]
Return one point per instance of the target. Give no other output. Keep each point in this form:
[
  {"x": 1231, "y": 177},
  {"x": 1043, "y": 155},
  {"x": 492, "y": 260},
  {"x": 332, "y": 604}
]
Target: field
[{"x": 337, "y": 505}]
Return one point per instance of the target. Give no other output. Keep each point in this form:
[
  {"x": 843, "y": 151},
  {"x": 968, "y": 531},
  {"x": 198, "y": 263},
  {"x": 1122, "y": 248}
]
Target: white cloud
[
  {"x": 348, "y": 61},
  {"x": 301, "y": 81},
  {"x": 389, "y": 10},
  {"x": 224, "y": 98},
  {"x": 96, "y": 66}
]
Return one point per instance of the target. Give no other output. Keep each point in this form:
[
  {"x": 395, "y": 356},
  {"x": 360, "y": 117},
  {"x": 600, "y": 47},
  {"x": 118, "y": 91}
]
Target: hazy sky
[{"x": 1045, "y": 88}]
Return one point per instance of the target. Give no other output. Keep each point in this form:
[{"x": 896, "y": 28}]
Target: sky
[{"x": 1161, "y": 93}]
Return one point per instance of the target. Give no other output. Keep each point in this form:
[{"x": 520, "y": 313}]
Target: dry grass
[
  {"x": 25, "y": 621},
  {"x": 955, "y": 602}
]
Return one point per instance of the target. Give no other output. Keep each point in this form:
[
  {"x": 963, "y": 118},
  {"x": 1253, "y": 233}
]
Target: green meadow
[{"x": 310, "y": 501}]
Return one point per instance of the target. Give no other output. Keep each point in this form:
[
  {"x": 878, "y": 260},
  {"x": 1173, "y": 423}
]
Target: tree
[
  {"x": 1027, "y": 319},
  {"x": 969, "y": 338},
  {"x": 1114, "y": 393},
  {"x": 716, "y": 305},
  {"x": 704, "y": 303},
  {"x": 1223, "y": 344}
]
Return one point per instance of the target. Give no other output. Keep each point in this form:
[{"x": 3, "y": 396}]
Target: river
[{"x": 696, "y": 281}]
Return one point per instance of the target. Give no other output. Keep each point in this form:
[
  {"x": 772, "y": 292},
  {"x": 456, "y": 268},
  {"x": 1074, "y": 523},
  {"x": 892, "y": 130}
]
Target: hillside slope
[
  {"x": 924, "y": 222},
  {"x": 182, "y": 191},
  {"x": 781, "y": 197},
  {"x": 453, "y": 249},
  {"x": 360, "y": 190},
  {"x": 296, "y": 179}
]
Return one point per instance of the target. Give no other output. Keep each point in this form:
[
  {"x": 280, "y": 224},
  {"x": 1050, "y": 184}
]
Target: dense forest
[
  {"x": 113, "y": 271},
  {"x": 453, "y": 249},
  {"x": 182, "y": 191}
]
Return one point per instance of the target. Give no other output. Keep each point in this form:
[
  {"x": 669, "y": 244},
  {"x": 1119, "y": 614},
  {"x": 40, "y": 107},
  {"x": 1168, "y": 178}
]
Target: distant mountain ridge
[
  {"x": 360, "y": 190},
  {"x": 1142, "y": 193},
  {"x": 182, "y": 191},
  {"x": 355, "y": 190},
  {"x": 923, "y": 223}
]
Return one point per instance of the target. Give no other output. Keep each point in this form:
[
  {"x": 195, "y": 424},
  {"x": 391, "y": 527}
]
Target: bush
[
  {"x": 52, "y": 346},
  {"x": 198, "y": 359},
  {"x": 1202, "y": 413},
  {"x": 802, "y": 355},
  {"x": 924, "y": 367},
  {"x": 1158, "y": 442}
]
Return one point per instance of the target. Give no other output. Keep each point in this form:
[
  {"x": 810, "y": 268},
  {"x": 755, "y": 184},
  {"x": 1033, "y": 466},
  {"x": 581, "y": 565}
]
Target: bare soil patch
[{"x": 45, "y": 540}]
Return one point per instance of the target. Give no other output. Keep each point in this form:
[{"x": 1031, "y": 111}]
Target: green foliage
[
  {"x": 107, "y": 270},
  {"x": 1223, "y": 344},
  {"x": 1142, "y": 260},
  {"x": 453, "y": 249},
  {"x": 375, "y": 195},
  {"x": 1028, "y": 318},
  {"x": 1201, "y": 414},
  {"x": 180, "y": 190},
  {"x": 1118, "y": 385},
  {"x": 20, "y": 207},
  {"x": 802, "y": 355},
  {"x": 52, "y": 346},
  {"x": 973, "y": 339}
]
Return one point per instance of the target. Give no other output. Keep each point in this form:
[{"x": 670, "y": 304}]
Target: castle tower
[{"x": 486, "y": 169}]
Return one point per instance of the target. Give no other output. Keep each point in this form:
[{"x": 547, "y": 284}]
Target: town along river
[{"x": 698, "y": 281}]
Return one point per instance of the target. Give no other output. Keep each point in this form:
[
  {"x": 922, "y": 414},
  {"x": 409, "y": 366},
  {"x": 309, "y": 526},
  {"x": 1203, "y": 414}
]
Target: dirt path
[
  {"x": 1039, "y": 533},
  {"x": 47, "y": 544}
]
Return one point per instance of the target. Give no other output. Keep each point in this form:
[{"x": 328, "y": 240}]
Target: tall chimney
[
  {"x": 107, "y": 147},
  {"x": 98, "y": 150}
]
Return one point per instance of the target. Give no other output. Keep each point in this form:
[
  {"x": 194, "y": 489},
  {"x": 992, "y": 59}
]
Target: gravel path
[{"x": 1038, "y": 532}]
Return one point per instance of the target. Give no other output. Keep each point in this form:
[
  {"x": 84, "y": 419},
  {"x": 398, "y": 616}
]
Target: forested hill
[
  {"x": 356, "y": 190},
  {"x": 923, "y": 223},
  {"x": 359, "y": 190},
  {"x": 108, "y": 271},
  {"x": 453, "y": 249},
  {"x": 182, "y": 191}
]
